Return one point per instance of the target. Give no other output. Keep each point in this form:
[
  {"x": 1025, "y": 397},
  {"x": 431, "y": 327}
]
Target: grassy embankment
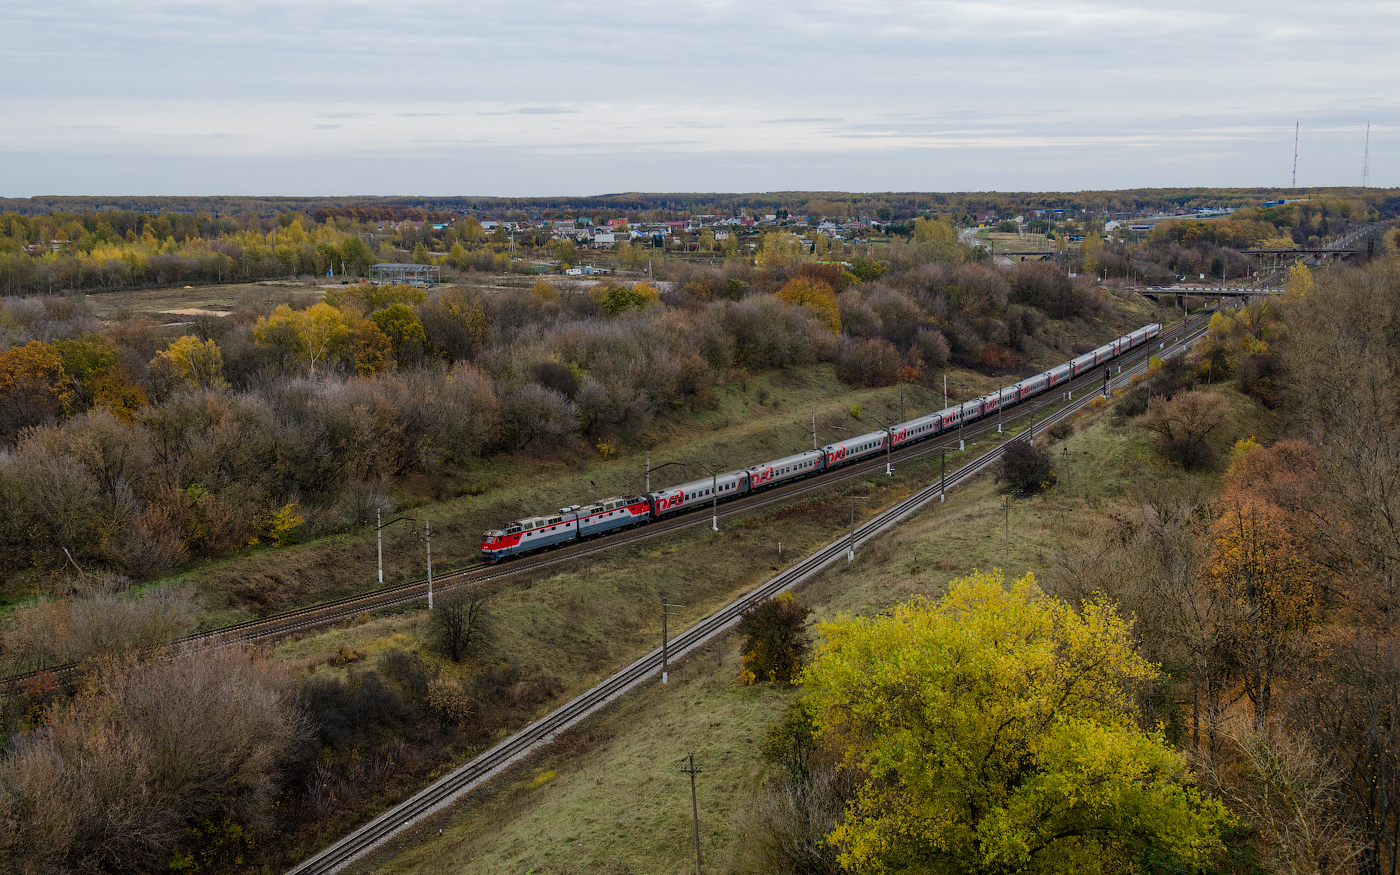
[{"x": 610, "y": 796}]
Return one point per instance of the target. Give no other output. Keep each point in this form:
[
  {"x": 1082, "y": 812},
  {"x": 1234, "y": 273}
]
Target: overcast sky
[{"x": 529, "y": 98}]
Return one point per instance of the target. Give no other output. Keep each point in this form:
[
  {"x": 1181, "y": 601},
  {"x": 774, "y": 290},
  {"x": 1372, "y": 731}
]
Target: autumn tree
[
  {"x": 318, "y": 333},
  {"x": 197, "y": 364},
  {"x": 370, "y": 349},
  {"x": 34, "y": 387},
  {"x": 357, "y": 255},
  {"x": 778, "y": 250},
  {"x": 996, "y": 730},
  {"x": 775, "y": 640},
  {"x": 100, "y": 376},
  {"x": 1262, "y": 559},
  {"x": 816, "y": 296},
  {"x": 404, "y": 331},
  {"x": 454, "y": 324}
]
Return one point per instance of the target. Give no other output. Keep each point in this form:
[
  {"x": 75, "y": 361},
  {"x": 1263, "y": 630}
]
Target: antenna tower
[
  {"x": 1295, "y": 154},
  {"x": 1366, "y": 158}
]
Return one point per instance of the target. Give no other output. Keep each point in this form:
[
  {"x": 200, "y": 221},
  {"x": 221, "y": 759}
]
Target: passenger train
[{"x": 583, "y": 521}]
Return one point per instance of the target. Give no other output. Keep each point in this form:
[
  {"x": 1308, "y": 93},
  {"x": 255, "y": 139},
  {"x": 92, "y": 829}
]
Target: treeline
[
  {"x": 135, "y": 450},
  {"x": 1271, "y": 604},
  {"x": 1190, "y": 248},
  {"x": 663, "y": 206}
]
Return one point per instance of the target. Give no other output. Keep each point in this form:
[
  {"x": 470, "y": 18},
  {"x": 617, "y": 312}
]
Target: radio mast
[
  {"x": 1295, "y": 153},
  {"x": 1366, "y": 158}
]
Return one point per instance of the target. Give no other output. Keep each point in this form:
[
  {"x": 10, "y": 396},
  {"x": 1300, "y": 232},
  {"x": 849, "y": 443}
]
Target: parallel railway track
[
  {"x": 492, "y": 762},
  {"x": 349, "y": 607}
]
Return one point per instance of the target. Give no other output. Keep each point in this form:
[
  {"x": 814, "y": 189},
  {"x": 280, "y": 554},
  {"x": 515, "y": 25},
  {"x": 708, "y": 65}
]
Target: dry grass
[
  {"x": 223, "y": 298},
  {"x": 1018, "y": 242}
]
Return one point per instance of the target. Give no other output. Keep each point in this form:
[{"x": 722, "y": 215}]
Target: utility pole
[
  {"x": 694, "y": 806},
  {"x": 714, "y": 506},
  {"x": 945, "y": 391},
  {"x": 428, "y": 540},
  {"x": 648, "y": 471},
  {"x": 851, "y": 548},
  {"x": 814, "y": 431},
  {"x": 943, "y": 474},
  {"x": 379, "y": 542},
  {"x": 1069, "y": 488}
]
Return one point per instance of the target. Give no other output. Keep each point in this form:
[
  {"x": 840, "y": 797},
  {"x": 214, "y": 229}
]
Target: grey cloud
[{"x": 734, "y": 80}]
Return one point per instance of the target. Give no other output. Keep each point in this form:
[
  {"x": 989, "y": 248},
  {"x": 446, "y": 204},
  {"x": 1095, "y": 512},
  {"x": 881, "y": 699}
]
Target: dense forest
[{"x": 50, "y": 252}]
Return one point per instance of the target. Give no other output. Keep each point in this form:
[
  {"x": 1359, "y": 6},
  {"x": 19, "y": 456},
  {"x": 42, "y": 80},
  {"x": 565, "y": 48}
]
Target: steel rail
[{"x": 495, "y": 760}]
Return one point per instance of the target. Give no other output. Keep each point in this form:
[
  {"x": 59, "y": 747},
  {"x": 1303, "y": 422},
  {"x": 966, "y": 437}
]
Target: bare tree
[
  {"x": 459, "y": 623},
  {"x": 1292, "y": 793},
  {"x": 113, "y": 782},
  {"x": 1184, "y": 425}
]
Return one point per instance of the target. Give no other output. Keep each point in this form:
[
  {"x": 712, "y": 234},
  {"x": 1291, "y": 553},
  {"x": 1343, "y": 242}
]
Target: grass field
[
  {"x": 215, "y": 299},
  {"x": 1017, "y": 242},
  {"x": 610, "y": 798}
]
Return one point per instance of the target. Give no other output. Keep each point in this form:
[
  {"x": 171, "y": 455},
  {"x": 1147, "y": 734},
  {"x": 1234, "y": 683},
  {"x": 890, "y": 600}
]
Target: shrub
[
  {"x": 1183, "y": 425},
  {"x": 115, "y": 781},
  {"x": 868, "y": 363},
  {"x": 1025, "y": 467},
  {"x": 459, "y": 624},
  {"x": 932, "y": 348},
  {"x": 775, "y": 640},
  {"x": 100, "y": 621}
]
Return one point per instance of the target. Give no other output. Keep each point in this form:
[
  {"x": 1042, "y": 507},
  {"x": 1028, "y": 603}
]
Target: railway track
[
  {"x": 492, "y": 762},
  {"x": 349, "y": 607}
]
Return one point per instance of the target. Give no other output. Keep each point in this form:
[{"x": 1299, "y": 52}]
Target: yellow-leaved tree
[
  {"x": 1300, "y": 281},
  {"x": 780, "y": 249},
  {"x": 196, "y": 363},
  {"x": 995, "y": 733},
  {"x": 816, "y": 296},
  {"x": 316, "y": 334}
]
